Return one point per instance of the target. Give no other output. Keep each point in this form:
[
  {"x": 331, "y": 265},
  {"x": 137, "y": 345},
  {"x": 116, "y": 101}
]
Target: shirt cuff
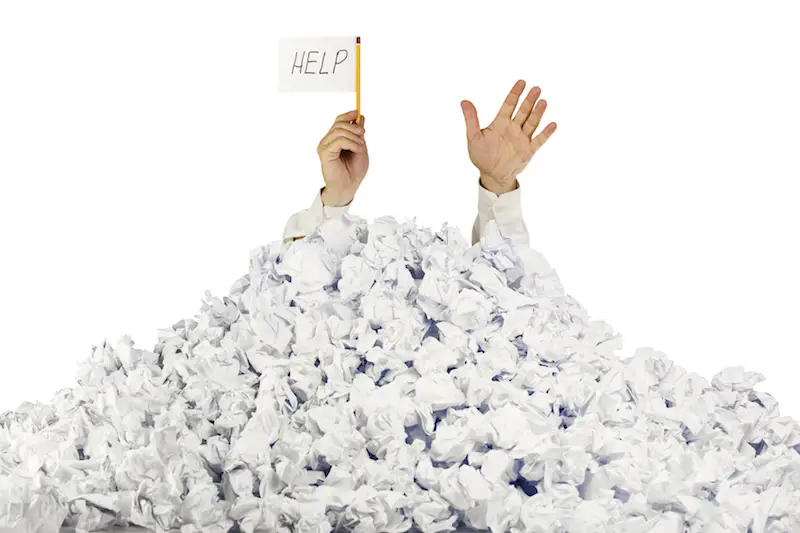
[
  {"x": 306, "y": 221},
  {"x": 327, "y": 211},
  {"x": 505, "y": 209}
]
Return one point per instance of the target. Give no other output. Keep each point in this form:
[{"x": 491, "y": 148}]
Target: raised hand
[
  {"x": 344, "y": 159},
  {"x": 503, "y": 149}
]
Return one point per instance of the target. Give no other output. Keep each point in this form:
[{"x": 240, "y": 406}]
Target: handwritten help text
[
  {"x": 317, "y": 64},
  {"x": 304, "y": 60}
]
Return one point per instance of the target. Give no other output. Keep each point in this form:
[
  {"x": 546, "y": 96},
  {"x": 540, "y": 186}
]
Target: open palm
[{"x": 503, "y": 149}]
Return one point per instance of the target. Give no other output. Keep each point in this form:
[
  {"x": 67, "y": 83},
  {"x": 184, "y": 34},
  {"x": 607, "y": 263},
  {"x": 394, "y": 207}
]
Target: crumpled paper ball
[{"x": 379, "y": 376}]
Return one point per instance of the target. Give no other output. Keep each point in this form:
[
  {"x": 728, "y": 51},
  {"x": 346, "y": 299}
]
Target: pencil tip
[{"x": 358, "y": 40}]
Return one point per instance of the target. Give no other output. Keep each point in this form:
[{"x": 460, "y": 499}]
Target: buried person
[{"x": 500, "y": 152}]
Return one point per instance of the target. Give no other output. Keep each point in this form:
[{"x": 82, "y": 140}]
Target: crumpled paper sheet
[{"x": 385, "y": 377}]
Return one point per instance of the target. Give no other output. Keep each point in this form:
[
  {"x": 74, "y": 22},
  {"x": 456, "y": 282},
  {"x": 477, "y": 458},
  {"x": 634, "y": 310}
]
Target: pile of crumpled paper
[{"x": 379, "y": 376}]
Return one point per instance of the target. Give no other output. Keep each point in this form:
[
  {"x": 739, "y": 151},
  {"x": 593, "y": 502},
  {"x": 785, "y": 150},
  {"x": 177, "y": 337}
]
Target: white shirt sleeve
[
  {"x": 304, "y": 222},
  {"x": 505, "y": 210}
]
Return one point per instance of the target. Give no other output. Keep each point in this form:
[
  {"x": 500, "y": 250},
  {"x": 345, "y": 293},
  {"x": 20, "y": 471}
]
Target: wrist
[
  {"x": 496, "y": 186},
  {"x": 333, "y": 198}
]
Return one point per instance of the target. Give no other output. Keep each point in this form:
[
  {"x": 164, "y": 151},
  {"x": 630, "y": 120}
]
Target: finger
[
  {"x": 347, "y": 117},
  {"x": 526, "y": 107},
  {"x": 343, "y": 143},
  {"x": 533, "y": 120},
  {"x": 511, "y": 100},
  {"x": 471, "y": 119},
  {"x": 356, "y": 129},
  {"x": 337, "y": 132},
  {"x": 540, "y": 139}
]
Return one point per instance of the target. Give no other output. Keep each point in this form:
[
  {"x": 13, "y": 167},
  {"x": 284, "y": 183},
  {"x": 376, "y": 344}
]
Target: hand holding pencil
[{"x": 344, "y": 159}]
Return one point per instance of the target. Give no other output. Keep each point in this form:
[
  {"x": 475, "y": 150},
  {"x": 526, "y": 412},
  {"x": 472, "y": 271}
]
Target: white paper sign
[{"x": 317, "y": 64}]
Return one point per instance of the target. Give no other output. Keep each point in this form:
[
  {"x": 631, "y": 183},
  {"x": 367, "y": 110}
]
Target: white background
[{"x": 144, "y": 151}]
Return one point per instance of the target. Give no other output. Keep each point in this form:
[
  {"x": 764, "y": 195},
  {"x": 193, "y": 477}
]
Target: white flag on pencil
[{"x": 317, "y": 64}]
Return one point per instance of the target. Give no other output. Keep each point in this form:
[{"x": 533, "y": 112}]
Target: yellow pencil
[{"x": 358, "y": 79}]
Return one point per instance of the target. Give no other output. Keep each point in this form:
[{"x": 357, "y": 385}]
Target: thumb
[{"x": 471, "y": 119}]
